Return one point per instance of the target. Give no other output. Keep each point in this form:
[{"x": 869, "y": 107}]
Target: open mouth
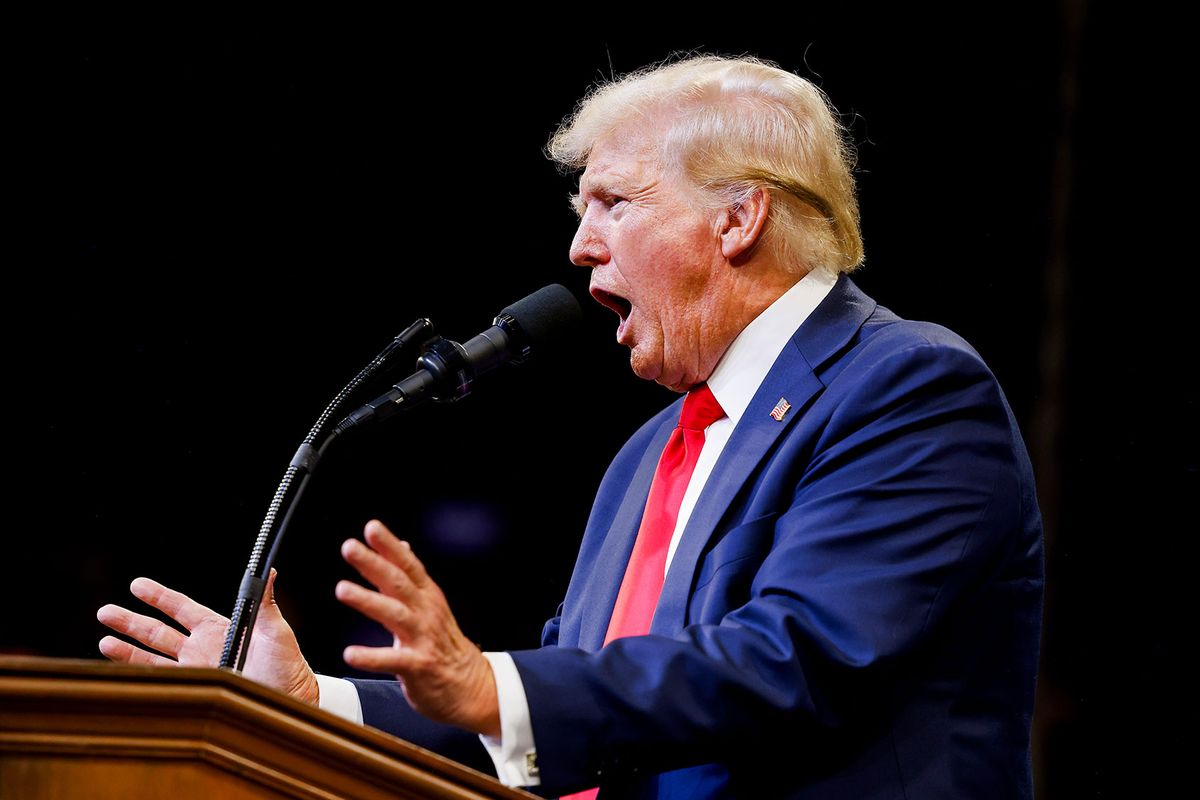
[{"x": 614, "y": 301}]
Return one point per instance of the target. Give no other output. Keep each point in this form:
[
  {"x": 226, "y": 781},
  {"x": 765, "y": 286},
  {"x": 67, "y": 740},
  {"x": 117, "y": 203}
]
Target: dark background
[{"x": 214, "y": 226}]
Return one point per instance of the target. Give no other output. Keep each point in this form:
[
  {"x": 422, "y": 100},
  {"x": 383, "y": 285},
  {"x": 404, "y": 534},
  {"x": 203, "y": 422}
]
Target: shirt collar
[{"x": 746, "y": 363}]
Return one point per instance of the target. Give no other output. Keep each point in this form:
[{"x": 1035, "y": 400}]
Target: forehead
[{"x": 621, "y": 159}]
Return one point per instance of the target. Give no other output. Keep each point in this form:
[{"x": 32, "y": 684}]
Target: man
[{"x": 818, "y": 575}]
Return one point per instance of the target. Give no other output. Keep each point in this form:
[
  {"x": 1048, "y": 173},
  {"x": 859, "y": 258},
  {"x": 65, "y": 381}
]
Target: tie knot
[{"x": 700, "y": 409}]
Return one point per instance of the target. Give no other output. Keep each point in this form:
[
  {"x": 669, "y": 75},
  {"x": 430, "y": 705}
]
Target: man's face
[{"x": 655, "y": 259}]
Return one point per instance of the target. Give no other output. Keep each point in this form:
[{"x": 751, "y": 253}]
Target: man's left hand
[{"x": 446, "y": 678}]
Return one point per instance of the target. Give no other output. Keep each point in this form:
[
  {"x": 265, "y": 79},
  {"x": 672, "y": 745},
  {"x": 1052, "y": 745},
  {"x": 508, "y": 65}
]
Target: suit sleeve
[
  {"x": 385, "y": 707},
  {"x": 908, "y": 499}
]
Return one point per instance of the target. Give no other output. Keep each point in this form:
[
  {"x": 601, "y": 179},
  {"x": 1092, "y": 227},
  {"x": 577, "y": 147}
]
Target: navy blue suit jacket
[{"x": 853, "y": 609}]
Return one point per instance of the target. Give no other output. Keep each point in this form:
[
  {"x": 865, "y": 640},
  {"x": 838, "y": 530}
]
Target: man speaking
[{"x": 816, "y": 575}]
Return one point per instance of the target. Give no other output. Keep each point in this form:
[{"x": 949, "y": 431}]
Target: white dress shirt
[{"x": 734, "y": 382}]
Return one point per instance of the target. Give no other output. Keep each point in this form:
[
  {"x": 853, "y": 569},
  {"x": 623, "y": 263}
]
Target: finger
[
  {"x": 387, "y": 611},
  {"x": 147, "y": 630},
  {"x": 392, "y": 660},
  {"x": 389, "y": 578},
  {"x": 399, "y": 553},
  {"x": 176, "y": 605},
  {"x": 124, "y": 653}
]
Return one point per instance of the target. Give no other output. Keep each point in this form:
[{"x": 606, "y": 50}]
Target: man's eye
[{"x": 613, "y": 201}]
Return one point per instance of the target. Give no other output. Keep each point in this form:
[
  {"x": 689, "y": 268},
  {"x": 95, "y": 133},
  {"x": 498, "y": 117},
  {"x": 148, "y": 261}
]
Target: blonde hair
[{"x": 734, "y": 126}]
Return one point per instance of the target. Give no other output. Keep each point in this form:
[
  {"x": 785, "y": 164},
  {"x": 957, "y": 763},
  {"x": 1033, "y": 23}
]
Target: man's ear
[{"x": 742, "y": 225}]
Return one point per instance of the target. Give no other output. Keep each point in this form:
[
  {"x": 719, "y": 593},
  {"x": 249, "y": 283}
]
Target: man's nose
[{"x": 588, "y": 248}]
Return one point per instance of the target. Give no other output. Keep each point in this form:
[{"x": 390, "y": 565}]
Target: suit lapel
[
  {"x": 604, "y": 580},
  {"x": 826, "y": 331}
]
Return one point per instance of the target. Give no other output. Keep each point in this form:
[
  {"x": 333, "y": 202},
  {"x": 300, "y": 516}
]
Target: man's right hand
[{"x": 274, "y": 658}]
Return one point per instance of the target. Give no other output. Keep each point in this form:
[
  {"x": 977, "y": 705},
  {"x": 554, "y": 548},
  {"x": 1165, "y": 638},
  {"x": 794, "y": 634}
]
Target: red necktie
[{"x": 646, "y": 571}]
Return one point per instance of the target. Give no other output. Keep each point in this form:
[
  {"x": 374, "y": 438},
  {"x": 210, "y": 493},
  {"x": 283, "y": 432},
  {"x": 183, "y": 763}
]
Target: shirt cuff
[
  {"x": 514, "y": 753},
  {"x": 339, "y": 696}
]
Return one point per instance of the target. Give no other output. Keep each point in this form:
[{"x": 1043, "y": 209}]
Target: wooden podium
[{"x": 91, "y": 729}]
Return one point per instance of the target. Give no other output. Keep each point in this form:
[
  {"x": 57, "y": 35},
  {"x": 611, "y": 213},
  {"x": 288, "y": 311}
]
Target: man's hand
[
  {"x": 445, "y": 676},
  {"x": 274, "y": 658}
]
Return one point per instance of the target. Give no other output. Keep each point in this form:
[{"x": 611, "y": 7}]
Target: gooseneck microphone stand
[
  {"x": 291, "y": 489},
  {"x": 445, "y": 372}
]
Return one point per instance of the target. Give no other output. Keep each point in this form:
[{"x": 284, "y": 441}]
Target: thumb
[{"x": 269, "y": 593}]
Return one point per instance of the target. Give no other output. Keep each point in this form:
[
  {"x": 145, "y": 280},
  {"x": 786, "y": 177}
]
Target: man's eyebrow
[
  {"x": 603, "y": 183},
  {"x": 599, "y": 185}
]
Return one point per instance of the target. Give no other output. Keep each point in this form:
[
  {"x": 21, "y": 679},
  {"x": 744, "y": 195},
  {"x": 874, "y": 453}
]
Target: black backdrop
[{"x": 215, "y": 226}]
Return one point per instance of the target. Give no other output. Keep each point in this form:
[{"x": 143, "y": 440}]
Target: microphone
[{"x": 446, "y": 369}]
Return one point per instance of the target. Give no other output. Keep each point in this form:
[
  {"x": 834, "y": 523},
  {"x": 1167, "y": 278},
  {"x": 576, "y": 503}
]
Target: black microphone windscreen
[{"x": 546, "y": 313}]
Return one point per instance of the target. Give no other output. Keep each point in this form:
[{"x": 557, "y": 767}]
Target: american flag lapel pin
[{"x": 780, "y": 409}]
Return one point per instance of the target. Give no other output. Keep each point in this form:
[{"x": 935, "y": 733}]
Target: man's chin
[{"x": 648, "y": 369}]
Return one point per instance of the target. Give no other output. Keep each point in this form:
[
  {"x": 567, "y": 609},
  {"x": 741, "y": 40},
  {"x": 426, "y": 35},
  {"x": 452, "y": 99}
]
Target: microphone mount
[
  {"x": 446, "y": 370},
  {"x": 454, "y": 366}
]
